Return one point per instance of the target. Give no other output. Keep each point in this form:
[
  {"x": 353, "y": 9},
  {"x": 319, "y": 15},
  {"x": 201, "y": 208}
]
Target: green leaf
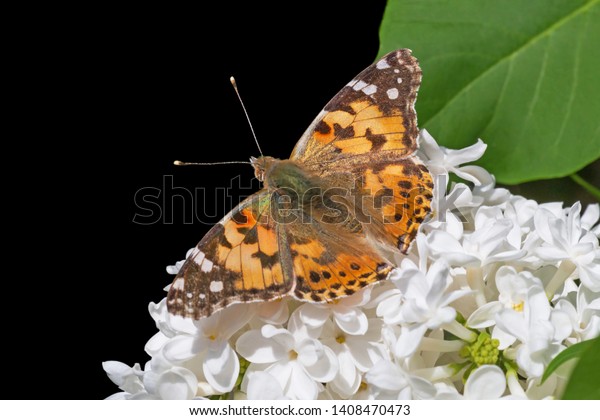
[
  {"x": 584, "y": 383},
  {"x": 520, "y": 74},
  {"x": 573, "y": 352}
]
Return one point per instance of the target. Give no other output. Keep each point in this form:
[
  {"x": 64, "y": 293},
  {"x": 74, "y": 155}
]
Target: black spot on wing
[{"x": 377, "y": 140}]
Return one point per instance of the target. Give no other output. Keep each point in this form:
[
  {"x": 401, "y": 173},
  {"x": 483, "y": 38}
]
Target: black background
[
  {"x": 124, "y": 92},
  {"x": 107, "y": 100}
]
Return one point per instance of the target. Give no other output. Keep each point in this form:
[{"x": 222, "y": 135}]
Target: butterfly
[{"x": 330, "y": 218}]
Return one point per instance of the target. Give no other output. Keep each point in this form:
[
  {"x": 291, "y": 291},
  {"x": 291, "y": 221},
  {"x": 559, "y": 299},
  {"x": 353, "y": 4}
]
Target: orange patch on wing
[
  {"x": 373, "y": 111},
  {"x": 233, "y": 261},
  {"x": 267, "y": 240},
  {"x": 232, "y": 234},
  {"x": 324, "y": 275},
  {"x": 359, "y": 106},
  {"x": 383, "y": 125},
  {"x": 245, "y": 218},
  {"x": 251, "y": 267}
]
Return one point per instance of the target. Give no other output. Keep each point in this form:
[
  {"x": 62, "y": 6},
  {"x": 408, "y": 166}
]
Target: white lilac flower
[
  {"x": 275, "y": 312},
  {"x": 589, "y": 219},
  {"x": 423, "y": 303},
  {"x": 492, "y": 289},
  {"x": 493, "y": 240},
  {"x": 441, "y": 161},
  {"x": 261, "y": 385},
  {"x": 128, "y": 379},
  {"x": 583, "y": 310},
  {"x": 487, "y": 382},
  {"x": 539, "y": 328},
  {"x": 207, "y": 340},
  {"x": 392, "y": 381},
  {"x": 173, "y": 383},
  {"x": 300, "y": 364},
  {"x": 513, "y": 290},
  {"x": 567, "y": 242},
  {"x": 346, "y": 313},
  {"x": 356, "y": 354}
]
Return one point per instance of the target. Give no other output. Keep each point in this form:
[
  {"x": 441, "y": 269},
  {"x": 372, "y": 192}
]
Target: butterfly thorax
[
  {"x": 304, "y": 193},
  {"x": 285, "y": 175}
]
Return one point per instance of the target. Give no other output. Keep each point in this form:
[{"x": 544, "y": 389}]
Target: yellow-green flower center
[{"x": 484, "y": 351}]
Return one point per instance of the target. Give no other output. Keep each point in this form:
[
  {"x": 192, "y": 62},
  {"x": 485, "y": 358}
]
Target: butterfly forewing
[{"x": 237, "y": 261}]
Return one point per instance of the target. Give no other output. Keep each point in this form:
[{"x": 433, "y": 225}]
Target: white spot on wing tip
[
  {"x": 359, "y": 85},
  {"x": 198, "y": 256},
  {"x": 399, "y": 79},
  {"x": 178, "y": 284},
  {"x": 382, "y": 64},
  {"x": 392, "y": 93},
  {"x": 369, "y": 90},
  {"x": 216, "y": 286},
  {"x": 207, "y": 266}
]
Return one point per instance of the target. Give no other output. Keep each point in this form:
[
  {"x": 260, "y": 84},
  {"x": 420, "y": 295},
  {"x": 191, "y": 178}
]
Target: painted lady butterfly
[{"x": 330, "y": 217}]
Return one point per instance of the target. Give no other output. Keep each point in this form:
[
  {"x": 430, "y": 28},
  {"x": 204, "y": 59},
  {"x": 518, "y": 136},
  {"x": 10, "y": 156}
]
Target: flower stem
[
  {"x": 586, "y": 185},
  {"x": 460, "y": 331},
  {"x": 442, "y": 346},
  {"x": 565, "y": 269}
]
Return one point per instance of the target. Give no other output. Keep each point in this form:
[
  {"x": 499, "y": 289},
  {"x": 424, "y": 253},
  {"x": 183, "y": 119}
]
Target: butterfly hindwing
[{"x": 325, "y": 270}]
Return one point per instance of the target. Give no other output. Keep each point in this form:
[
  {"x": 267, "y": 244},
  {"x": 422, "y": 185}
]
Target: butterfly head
[{"x": 261, "y": 165}]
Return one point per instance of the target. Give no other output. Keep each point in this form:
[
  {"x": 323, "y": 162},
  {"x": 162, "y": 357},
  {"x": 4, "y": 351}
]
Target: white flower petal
[
  {"x": 183, "y": 347},
  {"x": 484, "y": 316},
  {"x": 351, "y": 320},
  {"x": 347, "y": 380},
  {"x": 590, "y": 217},
  {"x": 155, "y": 344},
  {"x": 319, "y": 361},
  {"x": 263, "y": 386},
  {"x": 409, "y": 340},
  {"x": 505, "y": 339},
  {"x": 467, "y": 154},
  {"x": 302, "y": 386},
  {"x": 256, "y": 348},
  {"x": 116, "y": 371},
  {"x": 221, "y": 369},
  {"x": 487, "y": 382},
  {"x": 177, "y": 384},
  {"x": 275, "y": 312},
  {"x": 387, "y": 376},
  {"x": 562, "y": 325},
  {"x": 475, "y": 174},
  {"x": 313, "y": 316}
]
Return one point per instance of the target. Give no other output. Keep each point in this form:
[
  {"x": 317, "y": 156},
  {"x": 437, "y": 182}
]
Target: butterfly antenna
[
  {"x": 232, "y": 80},
  {"x": 180, "y": 163}
]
